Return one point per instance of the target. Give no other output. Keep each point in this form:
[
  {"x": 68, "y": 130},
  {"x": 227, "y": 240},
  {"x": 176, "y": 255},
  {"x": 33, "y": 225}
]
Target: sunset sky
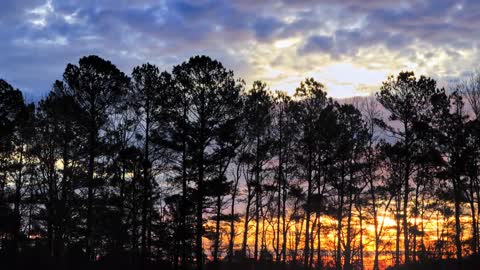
[{"x": 351, "y": 47}]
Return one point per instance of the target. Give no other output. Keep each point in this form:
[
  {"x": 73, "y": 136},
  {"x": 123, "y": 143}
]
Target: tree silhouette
[
  {"x": 58, "y": 136},
  {"x": 214, "y": 99},
  {"x": 406, "y": 99},
  {"x": 150, "y": 100},
  {"x": 451, "y": 131},
  {"x": 188, "y": 170},
  {"x": 308, "y": 115},
  {"x": 15, "y": 130},
  {"x": 257, "y": 113},
  {"x": 96, "y": 85}
]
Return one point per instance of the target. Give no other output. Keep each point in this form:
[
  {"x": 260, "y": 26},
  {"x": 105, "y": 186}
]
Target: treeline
[{"x": 181, "y": 169}]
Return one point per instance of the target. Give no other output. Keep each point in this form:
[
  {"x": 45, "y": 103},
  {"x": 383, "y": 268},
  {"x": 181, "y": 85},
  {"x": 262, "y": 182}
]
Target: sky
[{"x": 350, "y": 46}]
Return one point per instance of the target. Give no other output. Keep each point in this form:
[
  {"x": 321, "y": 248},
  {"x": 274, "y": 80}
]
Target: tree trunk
[
  {"x": 217, "y": 230},
  {"x": 279, "y": 207},
  {"x": 232, "y": 220},
  {"x": 51, "y": 206},
  {"x": 280, "y": 186},
  {"x": 90, "y": 198},
  {"x": 338, "y": 258},
  {"x": 415, "y": 225},
  {"x": 247, "y": 219},
  {"x": 17, "y": 215},
  {"x": 146, "y": 186},
  {"x": 348, "y": 251},
  {"x": 360, "y": 216},
  {"x": 406, "y": 182},
  {"x": 201, "y": 170},
  {"x": 397, "y": 239},
  {"x": 257, "y": 201},
  {"x": 199, "y": 226},
  {"x": 306, "y": 251},
  {"x": 348, "y": 246},
  {"x": 319, "y": 243},
  {"x": 284, "y": 223},
  {"x": 183, "y": 206},
  {"x": 312, "y": 242},
  {"x": 474, "y": 219},
  {"x": 405, "y": 212},
  {"x": 458, "y": 226},
  {"x": 297, "y": 242},
  {"x": 375, "y": 224}
]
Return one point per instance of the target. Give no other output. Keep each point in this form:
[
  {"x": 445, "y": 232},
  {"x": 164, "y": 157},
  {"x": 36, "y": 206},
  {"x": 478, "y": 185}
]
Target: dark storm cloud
[{"x": 39, "y": 37}]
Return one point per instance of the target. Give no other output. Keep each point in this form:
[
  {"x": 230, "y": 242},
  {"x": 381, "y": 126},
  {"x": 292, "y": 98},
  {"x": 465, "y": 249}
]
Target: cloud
[
  {"x": 278, "y": 41},
  {"x": 315, "y": 44}
]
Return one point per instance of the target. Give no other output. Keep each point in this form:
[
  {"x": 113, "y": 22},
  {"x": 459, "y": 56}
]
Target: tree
[
  {"x": 284, "y": 131},
  {"x": 371, "y": 112},
  {"x": 471, "y": 90},
  {"x": 258, "y": 118},
  {"x": 178, "y": 139},
  {"x": 234, "y": 217},
  {"x": 11, "y": 105},
  {"x": 392, "y": 157},
  {"x": 352, "y": 140},
  {"x": 449, "y": 122},
  {"x": 214, "y": 103},
  {"x": 407, "y": 100},
  {"x": 58, "y": 136},
  {"x": 312, "y": 100},
  {"x": 16, "y": 119},
  {"x": 108, "y": 171},
  {"x": 96, "y": 86},
  {"x": 228, "y": 140},
  {"x": 151, "y": 100}
]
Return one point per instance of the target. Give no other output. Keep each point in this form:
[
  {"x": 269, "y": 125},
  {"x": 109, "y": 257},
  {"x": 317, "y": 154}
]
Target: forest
[{"x": 194, "y": 169}]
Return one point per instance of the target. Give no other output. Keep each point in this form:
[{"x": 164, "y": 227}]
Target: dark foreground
[
  {"x": 469, "y": 263},
  {"x": 33, "y": 259},
  {"x": 122, "y": 264}
]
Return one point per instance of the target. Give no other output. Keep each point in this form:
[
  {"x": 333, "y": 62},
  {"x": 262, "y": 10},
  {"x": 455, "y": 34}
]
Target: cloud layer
[{"x": 351, "y": 46}]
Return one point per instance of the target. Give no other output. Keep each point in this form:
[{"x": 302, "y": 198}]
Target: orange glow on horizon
[{"x": 435, "y": 227}]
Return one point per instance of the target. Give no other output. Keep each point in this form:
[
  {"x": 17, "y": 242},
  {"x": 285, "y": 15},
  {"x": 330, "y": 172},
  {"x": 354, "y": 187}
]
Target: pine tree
[
  {"x": 96, "y": 86},
  {"x": 213, "y": 103}
]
